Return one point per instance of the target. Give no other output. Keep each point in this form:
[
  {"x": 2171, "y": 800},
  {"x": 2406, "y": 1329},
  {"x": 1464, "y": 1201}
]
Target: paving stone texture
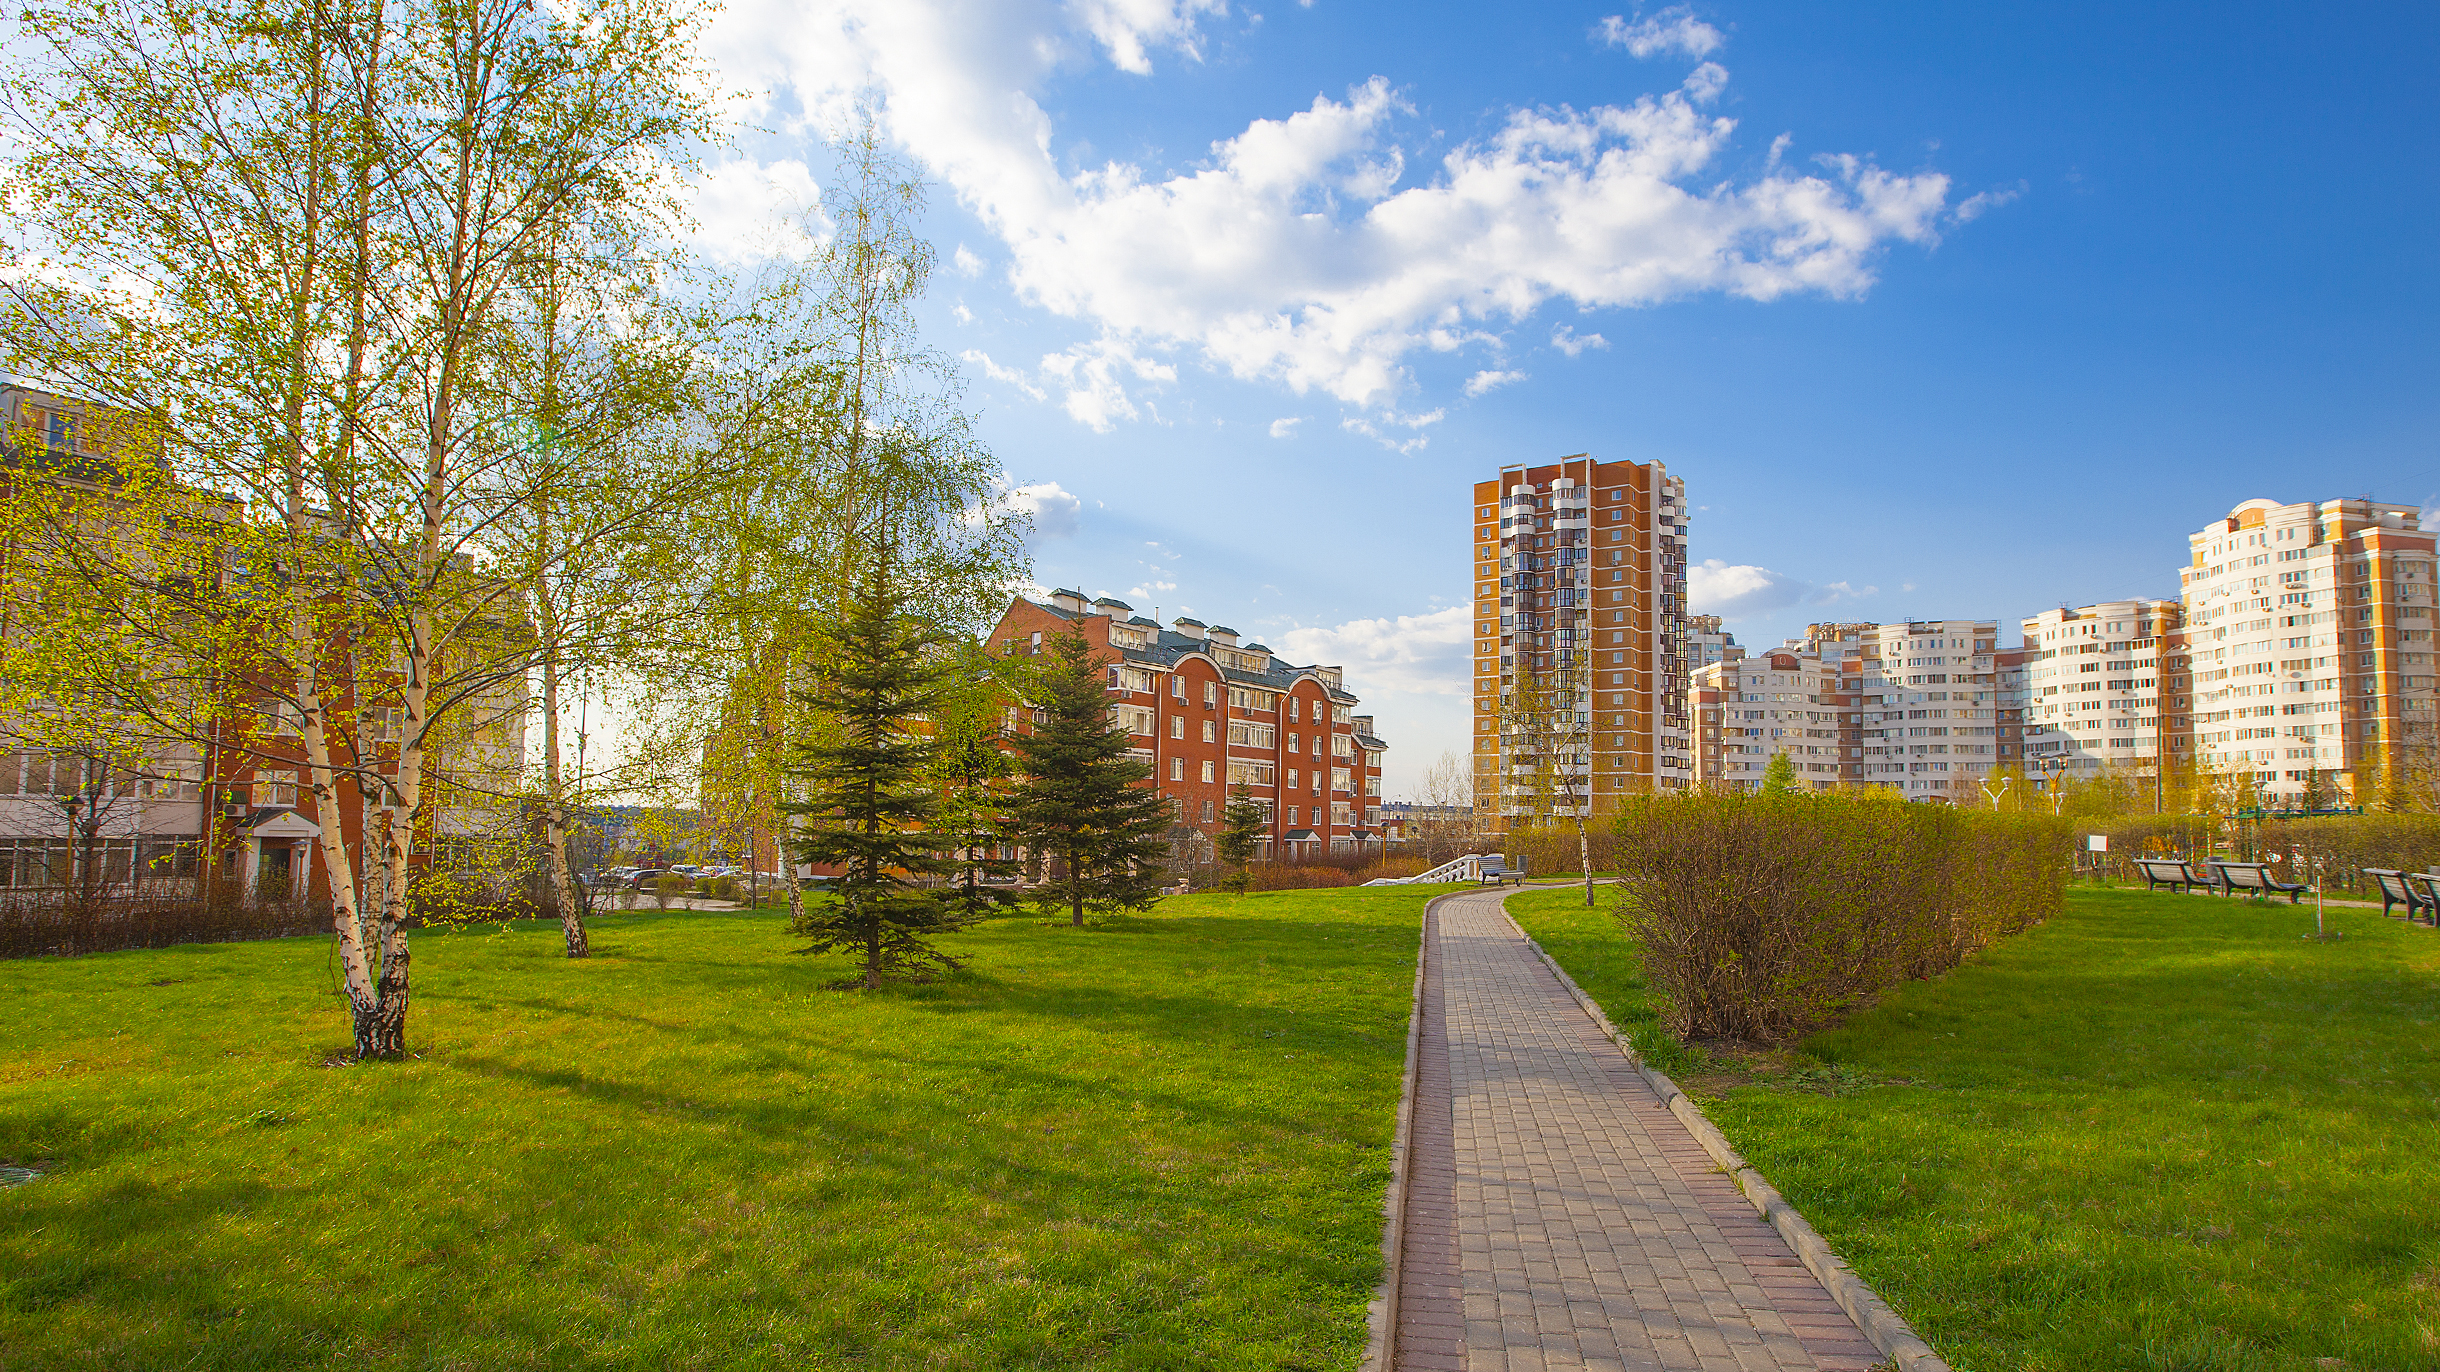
[{"x": 1557, "y": 1215}]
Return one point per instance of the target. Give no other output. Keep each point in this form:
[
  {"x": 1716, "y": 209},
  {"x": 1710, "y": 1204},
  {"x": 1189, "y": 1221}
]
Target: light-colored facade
[
  {"x": 1707, "y": 642},
  {"x": 1579, "y": 591},
  {"x": 1928, "y": 707},
  {"x": 2103, "y": 689},
  {"x": 2310, "y": 628},
  {"x": 1780, "y": 700}
]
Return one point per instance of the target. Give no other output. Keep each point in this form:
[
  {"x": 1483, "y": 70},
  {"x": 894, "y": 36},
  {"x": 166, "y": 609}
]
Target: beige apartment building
[
  {"x": 2310, "y": 630},
  {"x": 1580, "y": 625},
  {"x": 2105, "y": 686}
]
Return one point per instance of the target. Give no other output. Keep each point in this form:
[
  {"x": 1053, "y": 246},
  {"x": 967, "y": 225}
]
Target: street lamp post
[{"x": 2004, "y": 784}]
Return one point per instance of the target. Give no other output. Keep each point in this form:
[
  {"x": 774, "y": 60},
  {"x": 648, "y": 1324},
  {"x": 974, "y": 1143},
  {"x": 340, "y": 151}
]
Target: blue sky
[{"x": 1939, "y": 310}]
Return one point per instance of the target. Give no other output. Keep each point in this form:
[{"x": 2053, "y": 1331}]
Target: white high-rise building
[{"x": 2094, "y": 687}]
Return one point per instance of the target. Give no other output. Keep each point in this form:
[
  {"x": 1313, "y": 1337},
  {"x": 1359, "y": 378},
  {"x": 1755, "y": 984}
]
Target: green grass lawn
[
  {"x": 2159, "y": 1132},
  {"x": 1159, "y": 1143}
]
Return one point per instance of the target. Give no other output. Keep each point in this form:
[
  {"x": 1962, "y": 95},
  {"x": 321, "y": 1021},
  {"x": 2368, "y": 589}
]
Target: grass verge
[
  {"x": 1157, "y": 1143},
  {"x": 2159, "y": 1132}
]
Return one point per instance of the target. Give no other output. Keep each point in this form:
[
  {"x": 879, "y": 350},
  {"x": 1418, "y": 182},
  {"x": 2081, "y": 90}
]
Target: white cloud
[
  {"x": 964, "y": 315},
  {"x": 747, "y": 211},
  {"x": 1714, "y": 587},
  {"x": 1567, "y": 340},
  {"x": 1974, "y": 206},
  {"x": 1056, "y": 513},
  {"x": 965, "y": 263},
  {"x": 1150, "y": 590},
  {"x": 1431, "y": 653},
  {"x": 1094, "y": 375},
  {"x": 1673, "y": 30},
  {"x": 1285, "y": 428},
  {"x": 1303, "y": 250},
  {"x": 1481, "y": 382},
  {"x": 996, "y": 372}
]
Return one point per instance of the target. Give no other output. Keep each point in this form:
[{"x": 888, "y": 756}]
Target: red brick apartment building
[
  {"x": 1209, "y": 713},
  {"x": 233, "y": 804}
]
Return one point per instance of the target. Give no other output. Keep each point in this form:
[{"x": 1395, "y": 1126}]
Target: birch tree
[{"x": 284, "y": 239}]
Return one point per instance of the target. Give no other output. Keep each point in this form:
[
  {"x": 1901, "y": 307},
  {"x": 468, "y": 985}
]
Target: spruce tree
[
  {"x": 1779, "y": 775},
  {"x": 871, "y": 806},
  {"x": 1081, "y": 803},
  {"x": 1242, "y": 827}
]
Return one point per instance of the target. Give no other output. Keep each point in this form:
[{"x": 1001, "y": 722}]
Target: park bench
[
  {"x": 2169, "y": 872},
  {"x": 2255, "y": 879},
  {"x": 1494, "y": 872},
  {"x": 2414, "y": 890}
]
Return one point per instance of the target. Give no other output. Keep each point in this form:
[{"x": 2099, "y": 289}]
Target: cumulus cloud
[
  {"x": 1285, "y": 428},
  {"x": 1430, "y": 653},
  {"x": 1567, "y": 340},
  {"x": 1481, "y": 382},
  {"x": 965, "y": 263},
  {"x": 1056, "y": 514},
  {"x": 1672, "y": 31},
  {"x": 1357, "y": 424},
  {"x": 1715, "y": 587},
  {"x": 1304, "y": 250},
  {"x": 996, "y": 372}
]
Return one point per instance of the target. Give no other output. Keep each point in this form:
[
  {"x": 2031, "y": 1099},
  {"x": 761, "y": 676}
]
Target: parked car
[{"x": 642, "y": 878}]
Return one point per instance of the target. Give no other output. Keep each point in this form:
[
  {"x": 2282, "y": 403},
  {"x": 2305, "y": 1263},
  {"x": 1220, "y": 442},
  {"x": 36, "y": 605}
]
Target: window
[
  {"x": 1251, "y": 773},
  {"x": 1245, "y": 698},
  {"x": 274, "y": 787},
  {"x": 1291, "y": 816},
  {"x": 1177, "y": 769},
  {"x": 1177, "y": 688},
  {"x": 1177, "y": 726},
  {"x": 1342, "y": 714},
  {"x": 1341, "y": 815},
  {"x": 1136, "y": 719},
  {"x": 1342, "y": 746},
  {"x": 1211, "y": 694},
  {"x": 1253, "y": 735},
  {"x": 1207, "y": 805},
  {"x": 1292, "y": 778},
  {"x": 1211, "y": 732},
  {"x": 1292, "y": 744},
  {"x": 1207, "y": 774},
  {"x": 1372, "y": 786},
  {"x": 1295, "y": 707},
  {"x": 1338, "y": 779}
]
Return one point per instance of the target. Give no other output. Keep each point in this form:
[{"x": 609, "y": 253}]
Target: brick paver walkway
[{"x": 1557, "y": 1215}]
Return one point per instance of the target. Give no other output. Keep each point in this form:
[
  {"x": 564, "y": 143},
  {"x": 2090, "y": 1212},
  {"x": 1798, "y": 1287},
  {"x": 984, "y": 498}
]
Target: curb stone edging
[
  {"x": 1381, "y": 1341},
  {"x": 1888, "y": 1331}
]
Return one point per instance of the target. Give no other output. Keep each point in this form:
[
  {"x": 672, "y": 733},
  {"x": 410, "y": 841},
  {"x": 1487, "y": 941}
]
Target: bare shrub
[{"x": 1764, "y": 917}]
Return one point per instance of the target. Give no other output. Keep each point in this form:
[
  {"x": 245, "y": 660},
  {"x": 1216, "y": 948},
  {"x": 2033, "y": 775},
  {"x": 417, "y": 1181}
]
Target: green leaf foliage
[
  {"x": 1242, "y": 828},
  {"x": 1082, "y": 804}
]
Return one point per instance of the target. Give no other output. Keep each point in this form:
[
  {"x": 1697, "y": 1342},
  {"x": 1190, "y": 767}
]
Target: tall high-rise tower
[{"x": 1579, "y": 637}]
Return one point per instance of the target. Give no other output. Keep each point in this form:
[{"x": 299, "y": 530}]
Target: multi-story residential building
[
  {"x": 1210, "y": 713},
  {"x": 1928, "y": 707},
  {"x": 1707, "y": 642},
  {"x": 2101, "y": 691},
  {"x": 1579, "y": 601},
  {"x": 86, "y": 803},
  {"x": 2009, "y": 667},
  {"x": 2310, "y": 632},
  {"x": 1783, "y": 700}
]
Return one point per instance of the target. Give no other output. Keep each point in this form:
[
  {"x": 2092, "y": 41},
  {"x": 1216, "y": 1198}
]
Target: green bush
[
  {"x": 669, "y": 888},
  {"x": 724, "y": 888},
  {"x": 1765, "y": 917}
]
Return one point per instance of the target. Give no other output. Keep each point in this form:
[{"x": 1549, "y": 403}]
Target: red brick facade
[{"x": 1204, "y": 708}]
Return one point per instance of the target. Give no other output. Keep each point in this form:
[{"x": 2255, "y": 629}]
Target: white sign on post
[{"x": 2097, "y": 843}]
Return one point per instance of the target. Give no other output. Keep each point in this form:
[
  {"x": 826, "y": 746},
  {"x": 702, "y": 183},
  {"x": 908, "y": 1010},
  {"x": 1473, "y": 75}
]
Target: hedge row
[{"x": 1764, "y": 917}]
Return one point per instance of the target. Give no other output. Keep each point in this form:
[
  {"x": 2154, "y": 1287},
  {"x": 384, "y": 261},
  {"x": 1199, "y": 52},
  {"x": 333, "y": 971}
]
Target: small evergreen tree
[
  {"x": 973, "y": 770},
  {"x": 1081, "y": 803},
  {"x": 870, "y": 807},
  {"x": 1779, "y": 775},
  {"x": 1243, "y": 825}
]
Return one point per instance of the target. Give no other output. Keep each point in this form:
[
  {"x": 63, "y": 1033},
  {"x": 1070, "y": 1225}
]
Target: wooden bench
[
  {"x": 2414, "y": 890},
  {"x": 2169, "y": 872},
  {"x": 2255, "y": 879}
]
